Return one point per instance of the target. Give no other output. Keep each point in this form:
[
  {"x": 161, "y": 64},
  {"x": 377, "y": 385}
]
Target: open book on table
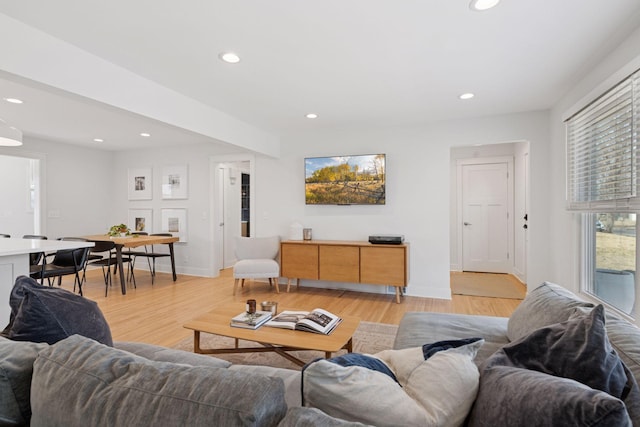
[{"x": 318, "y": 320}]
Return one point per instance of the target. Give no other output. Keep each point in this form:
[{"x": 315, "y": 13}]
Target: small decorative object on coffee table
[
  {"x": 271, "y": 306},
  {"x": 251, "y": 320}
]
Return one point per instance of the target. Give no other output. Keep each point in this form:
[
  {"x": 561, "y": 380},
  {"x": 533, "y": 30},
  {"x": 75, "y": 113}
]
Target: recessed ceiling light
[
  {"x": 229, "y": 57},
  {"x": 311, "y": 116},
  {"x": 480, "y": 5},
  {"x": 145, "y": 134},
  {"x": 468, "y": 95},
  {"x": 98, "y": 140},
  {"x": 13, "y": 100}
]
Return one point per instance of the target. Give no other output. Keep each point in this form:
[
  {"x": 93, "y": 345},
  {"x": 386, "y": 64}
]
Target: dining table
[{"x": 134, "y": 241}]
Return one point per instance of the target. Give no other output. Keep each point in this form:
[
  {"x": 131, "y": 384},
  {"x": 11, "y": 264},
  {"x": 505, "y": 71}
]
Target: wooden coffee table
[{"x": 271, "y": 339}]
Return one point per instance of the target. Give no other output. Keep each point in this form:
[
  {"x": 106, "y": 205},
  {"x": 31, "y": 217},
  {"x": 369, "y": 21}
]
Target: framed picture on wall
[
  {"x": 174, "y": 221},
  {"x": 141, "y": 220},
  {"x": 139, "y": 184},
  {"x": 175, "y": 182}
]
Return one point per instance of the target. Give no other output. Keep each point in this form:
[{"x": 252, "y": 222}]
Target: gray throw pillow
[
  {"x": 116, "y": 388},
  {"x": 545, "y": 305},
  {"x": 45, "y": 314}
]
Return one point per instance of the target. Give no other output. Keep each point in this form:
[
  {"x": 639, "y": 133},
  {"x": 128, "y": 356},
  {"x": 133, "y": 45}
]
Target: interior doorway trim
[{"x": 214, "y": 236}]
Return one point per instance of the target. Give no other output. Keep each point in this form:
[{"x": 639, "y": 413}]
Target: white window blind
[{"x": 602, "y": 151}]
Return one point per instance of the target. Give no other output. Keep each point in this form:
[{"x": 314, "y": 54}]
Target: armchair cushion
[{"x": 256, "y": 269}]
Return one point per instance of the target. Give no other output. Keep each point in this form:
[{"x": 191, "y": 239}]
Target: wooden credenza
[{"x": 345, "y": 261}]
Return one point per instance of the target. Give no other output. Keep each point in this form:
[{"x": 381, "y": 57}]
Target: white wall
[
  {"x": 88, "y": 190},
  {"x": 196, "y": 255},
  {"x": 77, "y": 186},
  {"x": 564, "y": 227},
  {"x": 418, "y": 189}
]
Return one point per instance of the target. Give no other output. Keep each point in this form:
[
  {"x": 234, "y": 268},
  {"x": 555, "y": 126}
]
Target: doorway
[
  {"x": 489, "y": 187},
  {"x": 20, "y": 190},
  {"x": 232, "y": 205}
]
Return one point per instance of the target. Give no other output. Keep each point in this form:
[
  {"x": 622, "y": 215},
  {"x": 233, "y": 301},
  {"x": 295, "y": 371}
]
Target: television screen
[{"x": 345, "y": 180}]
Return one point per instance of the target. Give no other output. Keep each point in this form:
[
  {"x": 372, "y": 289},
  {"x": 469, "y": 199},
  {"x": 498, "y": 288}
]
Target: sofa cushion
[
  {"x": 164, "y": 354},
  {"x": 417, "y": 328},
  {"x": 44, "y": 314},
  {"x": 545, "y": 305},
  {"x": 438, "y": 391},
  {"x": 511, "y": 396},
  {"x": 16, "y": 367},
  {"x": 290, "y": 377},
  {"x": 312, "y": 417},
  {"x": 113, "y": 387}
]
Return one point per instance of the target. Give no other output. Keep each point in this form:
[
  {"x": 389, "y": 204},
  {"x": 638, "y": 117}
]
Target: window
[{"x": 602, "y": 185}]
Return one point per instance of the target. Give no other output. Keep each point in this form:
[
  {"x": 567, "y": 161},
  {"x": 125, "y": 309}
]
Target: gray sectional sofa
[{"x": 79, "y": 381}]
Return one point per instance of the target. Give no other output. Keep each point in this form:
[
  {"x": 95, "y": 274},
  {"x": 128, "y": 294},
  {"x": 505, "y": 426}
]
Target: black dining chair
[
  {"x": 35, "y": 258},
  {"x": 105, "y": 251},
  {"x": 65, "y": 262},
  {"x": 151, "y": 254}
]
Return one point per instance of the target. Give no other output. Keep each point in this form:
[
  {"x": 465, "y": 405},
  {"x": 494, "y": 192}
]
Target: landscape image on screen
[{"x": 345, "y": 180}]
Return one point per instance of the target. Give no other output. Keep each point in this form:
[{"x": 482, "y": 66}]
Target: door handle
[{"x": 466, "y": 223}]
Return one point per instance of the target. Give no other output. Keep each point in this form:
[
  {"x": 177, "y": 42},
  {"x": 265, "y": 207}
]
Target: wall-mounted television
[{"x": 345, "y": 180}]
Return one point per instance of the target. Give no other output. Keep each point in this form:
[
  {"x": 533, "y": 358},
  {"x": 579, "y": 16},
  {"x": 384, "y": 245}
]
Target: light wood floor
[{"x": 155, "y": 314}]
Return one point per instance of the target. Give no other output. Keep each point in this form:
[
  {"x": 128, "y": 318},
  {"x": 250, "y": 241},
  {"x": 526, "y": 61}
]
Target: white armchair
[{"x": 256, "y": 260}]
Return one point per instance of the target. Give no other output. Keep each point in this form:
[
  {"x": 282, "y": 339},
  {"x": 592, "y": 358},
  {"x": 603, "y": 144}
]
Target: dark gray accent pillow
[
  {"x": 577, "y": 350},
  {"x": 45, "y": 314},
  {"x": 16, "y": 367},
  {"x": 510, "y": 396},
  {"x": 116, "y": 388}
]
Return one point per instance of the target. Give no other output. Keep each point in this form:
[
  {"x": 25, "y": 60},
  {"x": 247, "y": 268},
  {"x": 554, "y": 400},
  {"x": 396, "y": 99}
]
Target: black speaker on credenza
[{"x": 386, "y": 239}]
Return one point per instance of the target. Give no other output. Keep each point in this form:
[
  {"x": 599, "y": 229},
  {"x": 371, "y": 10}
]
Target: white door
[{"x": 485, "y": 216}]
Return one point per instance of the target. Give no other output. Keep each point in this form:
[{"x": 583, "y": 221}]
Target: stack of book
[{"x": 251, "y": 321}]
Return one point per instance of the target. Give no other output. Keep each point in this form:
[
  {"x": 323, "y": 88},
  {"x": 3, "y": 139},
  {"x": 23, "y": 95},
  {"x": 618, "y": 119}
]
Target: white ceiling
[{"x": 353, "y": 62}]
